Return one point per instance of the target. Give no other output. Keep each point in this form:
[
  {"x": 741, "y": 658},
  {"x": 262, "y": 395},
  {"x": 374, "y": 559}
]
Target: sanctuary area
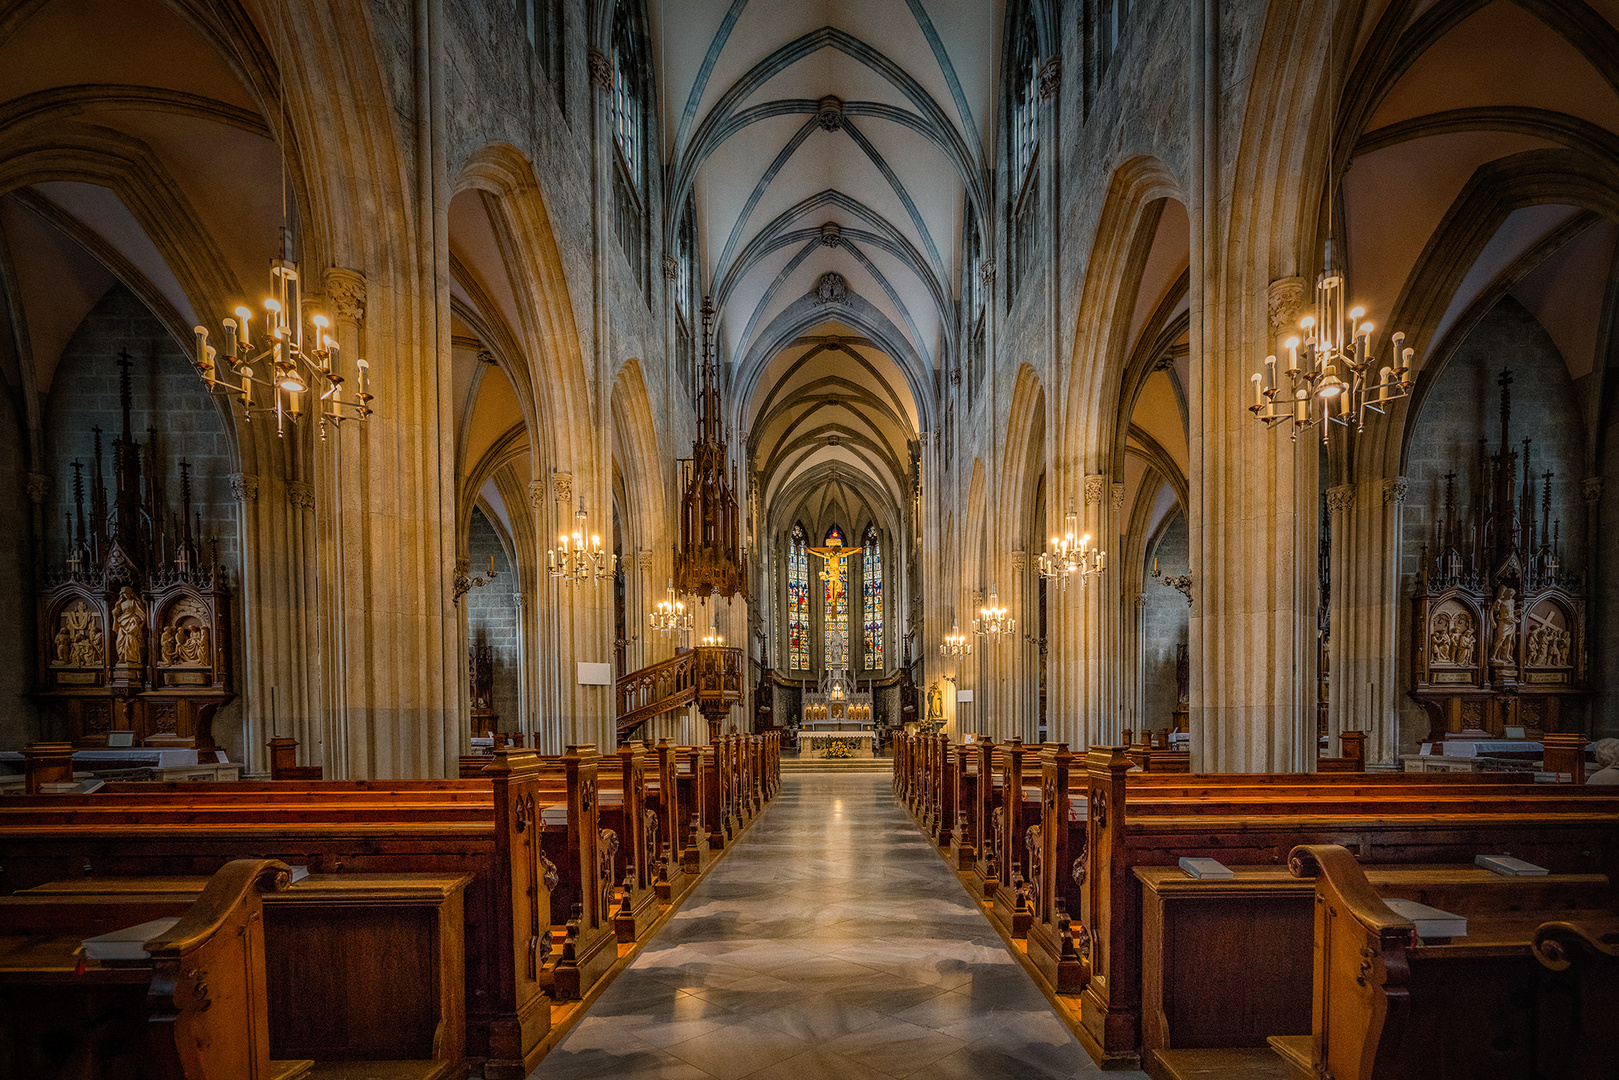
[{"x": 720, "y": 539}]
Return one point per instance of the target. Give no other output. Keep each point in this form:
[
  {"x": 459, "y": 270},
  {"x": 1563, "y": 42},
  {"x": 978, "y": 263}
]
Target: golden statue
[{"x": 834, "y": 572}]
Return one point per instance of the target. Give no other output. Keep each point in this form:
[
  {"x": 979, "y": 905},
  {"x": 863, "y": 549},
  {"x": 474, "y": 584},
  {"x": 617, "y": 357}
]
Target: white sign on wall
[
  {"x": 964, "y": 695},
  {"x": 595, "y": 674}
]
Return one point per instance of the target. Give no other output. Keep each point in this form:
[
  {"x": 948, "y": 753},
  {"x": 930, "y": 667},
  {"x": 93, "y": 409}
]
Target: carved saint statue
[
  {"x": 196, "y": 647},
  {"x": 935, "y": 702},
  {"x": 1439, "y": 641},
  {"x": 1466, "y": 645},
  {"x": 1504, "y": 614},
  {"x": 167, "y": 651},
  {"x": 129, "y": 623},
  {"x": 64, "y": 644}
]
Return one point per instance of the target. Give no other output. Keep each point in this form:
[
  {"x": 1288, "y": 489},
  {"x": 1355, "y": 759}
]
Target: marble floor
[{"x": 830, "y": 942}]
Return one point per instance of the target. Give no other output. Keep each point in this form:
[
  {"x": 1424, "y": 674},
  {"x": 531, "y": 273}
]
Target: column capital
[
  {"x": 1341, "y": 497},
  {"x": 1095, "y": 486},
  {"x": 671, "y": 267},
  {"x": 1019, "y": 558},
  {"x": 1118, "y": 496},
  {"x": 562, "y": 487},
  {"x": 245, "y": 487},
  {"x": 1592, "y": 486},
  {"x": 536, "y": 493},
  {"x": 601, "y": 69},
  {"x": 300, "y": 494},
  {"x": 1394, "y": 490},
  {"x": 345, "y": 290},
  {"x": 1284, "y": 299},
  {"x": 1051, "y": 77},
  {"x": 38, "y": 486}
]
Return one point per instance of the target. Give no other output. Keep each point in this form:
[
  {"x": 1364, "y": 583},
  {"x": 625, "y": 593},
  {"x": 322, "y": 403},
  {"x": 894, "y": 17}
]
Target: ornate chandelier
[
  {"x": 575, "y": 561},
  {"x": 289, "y": 365},
  {"x": 1069, "y": 557},
  {"x": 708, "y": 552},
  {"x": 670, "y": 615},
  {"x": 955, "y": 642},
  {"x": 1332, "y": 382},
  {"x": 993, "y": 620}
]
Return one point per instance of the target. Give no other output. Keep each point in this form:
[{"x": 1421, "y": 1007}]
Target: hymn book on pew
[
  {"x": 128, "y": 943},
  {"x": 1431, "y": 923},
  {"x": 1506, "y": 864},
  {"x": 1206, "y": 868}
]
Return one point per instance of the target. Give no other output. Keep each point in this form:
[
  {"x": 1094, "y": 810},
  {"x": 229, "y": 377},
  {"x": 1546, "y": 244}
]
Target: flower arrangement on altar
[{"x": 839, "y": 749}]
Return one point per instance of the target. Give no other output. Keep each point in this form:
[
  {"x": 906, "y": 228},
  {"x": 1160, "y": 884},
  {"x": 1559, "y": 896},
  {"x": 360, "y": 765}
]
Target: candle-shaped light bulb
[
  {"x": 201, "y": 359},
  {"x": 365, "y": 378},
  {"x": 1301, "y": 407},
  {"x": 1292, "y": 345},
  {"x": 1259, "y": 391},
  {"x": 244, "y": 315},
  {"x": 230, "y": 338},
  {"x": 1383, "y": 379},
  {"x": 1356, "y": 312},
  {"x": 247, "y": 387},
  {"x": 1307, "y": 323}
]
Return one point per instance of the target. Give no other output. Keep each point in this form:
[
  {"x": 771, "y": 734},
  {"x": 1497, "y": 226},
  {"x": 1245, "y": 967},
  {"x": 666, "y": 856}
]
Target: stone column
[{"x": 1363, "y": 650}]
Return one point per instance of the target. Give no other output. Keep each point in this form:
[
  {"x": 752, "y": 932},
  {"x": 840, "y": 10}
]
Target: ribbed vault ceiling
[{"x": 830, "y": 138}]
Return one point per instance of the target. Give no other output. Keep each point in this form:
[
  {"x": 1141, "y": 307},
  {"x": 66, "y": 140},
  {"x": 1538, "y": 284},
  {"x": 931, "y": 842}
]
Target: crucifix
[{"x": 834, "y": 571}]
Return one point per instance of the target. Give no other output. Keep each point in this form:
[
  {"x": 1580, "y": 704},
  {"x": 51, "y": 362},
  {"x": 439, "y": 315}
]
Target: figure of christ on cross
[{"x": 835, "y": 574}]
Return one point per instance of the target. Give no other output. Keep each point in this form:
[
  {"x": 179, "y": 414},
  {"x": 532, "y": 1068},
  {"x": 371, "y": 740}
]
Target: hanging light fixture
[
  {"x": 993, "y": 620},
  {"x": 576, "y": 561},
  {"x": 955, "y": 642},
  {"x": 290, "y": 361},
  {"x": 1332, "y": 382},
  {"x": 1069, "y": 557},
  {"x": 670, "y": 616}
]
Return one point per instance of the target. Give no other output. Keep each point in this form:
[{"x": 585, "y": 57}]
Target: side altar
[{"x": 134, "y": 623}]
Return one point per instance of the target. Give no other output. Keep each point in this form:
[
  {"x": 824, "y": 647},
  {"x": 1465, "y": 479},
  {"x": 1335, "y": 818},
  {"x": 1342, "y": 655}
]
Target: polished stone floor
[{"x": 830, "y": 942}]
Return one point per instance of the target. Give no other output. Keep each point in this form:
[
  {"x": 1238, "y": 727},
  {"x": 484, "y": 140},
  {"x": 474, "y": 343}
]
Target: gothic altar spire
[{"x": 708, "y": 551}]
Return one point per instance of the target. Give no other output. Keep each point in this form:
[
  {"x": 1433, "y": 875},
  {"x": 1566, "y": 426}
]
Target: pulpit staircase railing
[{"x": 710, "y": 678}]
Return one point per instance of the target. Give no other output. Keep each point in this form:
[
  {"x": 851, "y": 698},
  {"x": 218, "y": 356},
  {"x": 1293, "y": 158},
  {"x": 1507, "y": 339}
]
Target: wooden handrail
[{"x": 703, "y": 675}]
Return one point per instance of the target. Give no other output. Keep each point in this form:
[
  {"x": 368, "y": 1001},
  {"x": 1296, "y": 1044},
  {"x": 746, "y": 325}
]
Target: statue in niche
[
  {"x": 195, "y": 649},
  {"x": 935, "y": 702},
  {"x": 1504, "y": 614},
  {"x": 129, "y": 622},
  {"x": 1440, "y": 639},
  {"x": 78, "y": 638},
  {"x": 1466, "y": 642},
  {"x": 168, "y": 648},
  {"x": 64, "y": 644}
]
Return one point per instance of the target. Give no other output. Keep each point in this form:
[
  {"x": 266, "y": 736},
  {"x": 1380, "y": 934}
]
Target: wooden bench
[
  {"x": 491, "y": 829},
  {"x": 1098, "y": 826},
  {"x": 1500, "y": 1002},
  {"x": 361, "y": 968},
  {"x": 195, "y": 1008}
]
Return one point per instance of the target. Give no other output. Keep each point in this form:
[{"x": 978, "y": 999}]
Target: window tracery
[
  {"x": 871, "y": 576},
  {"x": 798, "y": 620}
]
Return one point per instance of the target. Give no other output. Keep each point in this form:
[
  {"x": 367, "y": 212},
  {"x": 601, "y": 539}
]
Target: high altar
[{"x": 837, "y": 712}]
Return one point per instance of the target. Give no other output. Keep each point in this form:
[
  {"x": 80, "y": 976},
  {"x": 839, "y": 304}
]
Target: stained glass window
[
  {"x": 798, "y": 621},
  {"x": 835, "y": 590},
  {"x": 871, "y": 578}
]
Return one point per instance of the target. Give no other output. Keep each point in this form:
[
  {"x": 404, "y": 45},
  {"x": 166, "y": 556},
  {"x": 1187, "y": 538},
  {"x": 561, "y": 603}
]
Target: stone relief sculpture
[
  {"x": 78, "y": 638},
  {"x": 1439, "y": 639},
  {"x": 129, "y": 622},
  {"x": 1504, "y": 614},
  {"x": 1546, "y": 644},
  {"x": 1452, "y": 639}
]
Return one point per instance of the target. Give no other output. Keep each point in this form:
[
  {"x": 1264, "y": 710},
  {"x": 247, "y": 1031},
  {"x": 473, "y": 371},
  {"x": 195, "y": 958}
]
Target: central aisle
[{"x": 830, "y": 942}]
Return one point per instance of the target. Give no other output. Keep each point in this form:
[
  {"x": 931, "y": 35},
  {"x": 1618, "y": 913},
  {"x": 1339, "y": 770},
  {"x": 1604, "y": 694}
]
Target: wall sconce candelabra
[
  {"x": 574, "y": 560},
  {"x": 1335, "y": 343},
  {"x": 713, "y": 639},
  {"x": 289, "y": 365},
  {"x": 955, "y": 642},
  {"x": 1069, "y": 557},
  {"x": 993, "y": 620},
  {"x": 463, "y": 582}
]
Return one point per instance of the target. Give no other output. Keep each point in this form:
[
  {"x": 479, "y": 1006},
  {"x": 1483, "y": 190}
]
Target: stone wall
[
  {"x": 492, "y": 617},
  {"x": 1463, "y": 407},
  {"x": 1164, "y": 619}
]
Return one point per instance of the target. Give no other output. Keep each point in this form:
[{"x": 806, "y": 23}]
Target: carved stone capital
[
  {"x": 1051, "y": 77},
  {"x": 1095, "y": 487},
  {"x": 1019, "y": 560},
  {"x": 1341, "y": 497},
  {"x": 300, "y": 494},
  {"x": 38, "y": 486},
  {"x": 601, "y": 70},
  {"x": 978, "y": 598},
  {"x": 671, "y": 267},
  {"x": 1592, "y": 486},
  {"x": 1394, "y": 489},
  {"x": 244, "y": 486},
  {"x": 986, "y": 271},
  {"x": 645, "y": 559},
  {"x": 1284, "y": 299},
  {"x": 536, "y": 494},
  {"x": 345, "y": 291},
  {"x": 486, "y": 357},
  {"x": 562, "y": 487},
  {"x": 1118, "y": 497}
]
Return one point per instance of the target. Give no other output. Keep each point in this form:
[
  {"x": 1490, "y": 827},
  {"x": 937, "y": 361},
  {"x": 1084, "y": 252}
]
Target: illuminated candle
[
  {"x": 1259, "y": 391},
  {"x": 1301, "y": 407},
  {"x": 202, "y": 347},
  {"x": 365, "y": 378},
  {"x": 230, "y": 339},
  {"x": 1383, "y": 379},
  {"x": 1292, "y": 354},
  {"x": 244, "y": 315}
]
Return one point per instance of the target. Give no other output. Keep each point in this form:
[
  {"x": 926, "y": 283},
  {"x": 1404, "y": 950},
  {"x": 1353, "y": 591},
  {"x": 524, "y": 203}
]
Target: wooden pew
[
  {"x": 624, "y": 813},
  {"x": 487, "y": 828},
  {"x": 361, "y": 968},
  {"x": 194, "y": 1009},
  {"x": 1245, "y": 820},
  {"x": 1354, "y": 755},
  {"x": 284, "y": 761},
  {"x": 1389, "y": 1006}
]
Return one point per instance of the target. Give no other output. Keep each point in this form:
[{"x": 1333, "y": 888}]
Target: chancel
[{"x": 747, "y": 539}]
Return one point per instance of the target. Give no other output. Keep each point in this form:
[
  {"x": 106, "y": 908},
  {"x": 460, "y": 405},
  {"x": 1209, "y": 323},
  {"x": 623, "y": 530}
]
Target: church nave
[{"x": 829, "y": 942}]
